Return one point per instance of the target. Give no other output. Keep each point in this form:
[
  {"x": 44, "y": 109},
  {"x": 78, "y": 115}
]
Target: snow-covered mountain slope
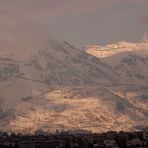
[
  {"x": 61, "y": 87},
  {"x": 120, "y": 47},
  {"x": 129, "y": 61}
]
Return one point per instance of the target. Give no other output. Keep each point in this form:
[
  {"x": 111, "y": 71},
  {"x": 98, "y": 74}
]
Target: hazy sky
[{"x": 80, "y": 22}]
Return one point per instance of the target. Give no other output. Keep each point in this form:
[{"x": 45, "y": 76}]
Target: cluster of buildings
[{"x": 77, "y": 140}]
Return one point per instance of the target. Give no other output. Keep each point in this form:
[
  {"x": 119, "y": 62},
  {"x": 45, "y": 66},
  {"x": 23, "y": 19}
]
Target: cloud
[
  {"x": 143, "y": 19},
  {"x": 22, "y": 9},
  {"x": 54, "y": 7},
  {"x": 139, "y": 1},
  {"x": 2, "y": 12}
]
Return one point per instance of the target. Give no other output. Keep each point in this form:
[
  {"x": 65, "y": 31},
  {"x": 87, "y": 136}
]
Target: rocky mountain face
[{"x": 62, "y": 87}]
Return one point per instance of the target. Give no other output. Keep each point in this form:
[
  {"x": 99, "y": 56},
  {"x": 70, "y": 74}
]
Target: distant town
[{"x": 75, "y": 139}]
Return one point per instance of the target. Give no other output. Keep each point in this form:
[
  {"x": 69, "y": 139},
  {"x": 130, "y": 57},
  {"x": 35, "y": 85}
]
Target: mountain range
[{"x": 60, "y": 87}]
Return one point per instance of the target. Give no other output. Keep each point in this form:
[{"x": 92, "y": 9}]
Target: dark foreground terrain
[{"x": 76, "y": 140}]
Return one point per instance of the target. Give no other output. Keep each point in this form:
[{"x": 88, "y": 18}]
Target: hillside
[{"x": 62, "y": 87}]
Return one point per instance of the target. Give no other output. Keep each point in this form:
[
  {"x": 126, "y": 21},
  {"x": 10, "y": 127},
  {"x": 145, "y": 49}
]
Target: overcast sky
[{"x": 80, "y": 22}]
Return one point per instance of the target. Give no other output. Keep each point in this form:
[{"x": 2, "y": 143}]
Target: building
[
  {"x": 40, "y": 144},
  {"x": 111, "y": 135},
  {"x": 136, "y": 142},
  {"x": 4, "y": 142},
  {"x": 145, "y": 134},
  {"x": 110, "y": 144}
]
